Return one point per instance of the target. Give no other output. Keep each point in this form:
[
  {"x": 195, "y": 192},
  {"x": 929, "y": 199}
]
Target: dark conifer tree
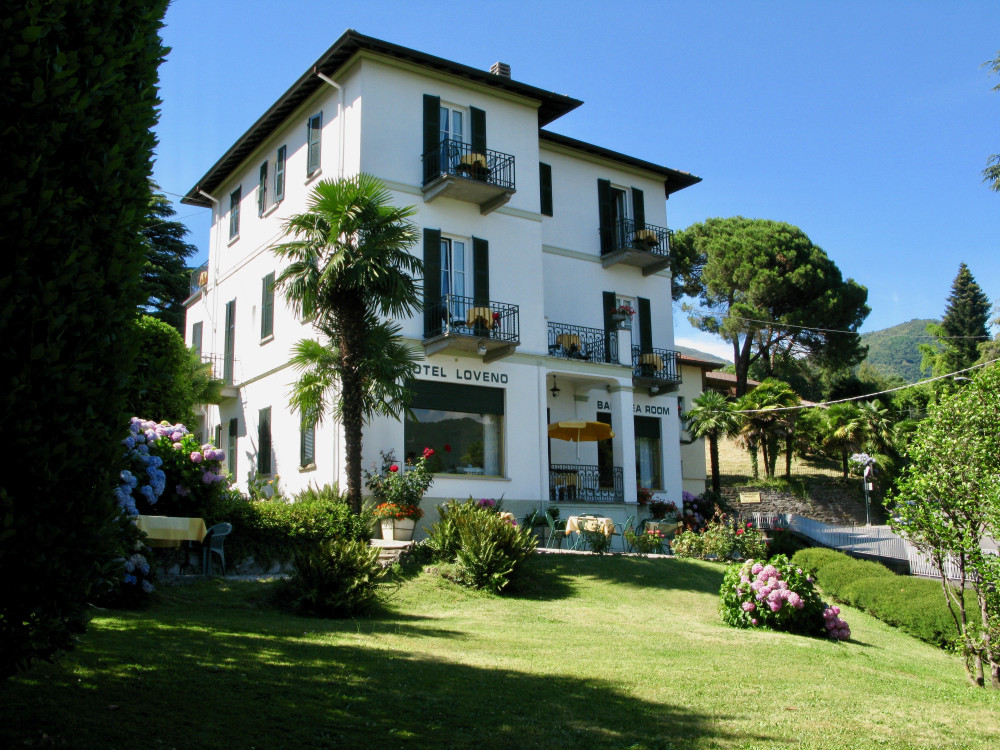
[
  {"x": 166, "y": 278},
  {"x": 965, "y": 317}
]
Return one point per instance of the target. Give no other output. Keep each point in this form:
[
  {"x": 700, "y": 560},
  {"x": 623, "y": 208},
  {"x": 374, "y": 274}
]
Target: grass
[
  {"x": 589, "y": 652},
  {"x": 734, "y": 461}
]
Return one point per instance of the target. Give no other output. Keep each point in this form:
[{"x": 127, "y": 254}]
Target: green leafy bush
[
  {"x": 915, "y": 605},
  {"x": 162, "y": 385},
  {"x": 266, "y": 530},
  {"x": 333, "y": 578},
  {"x": 785, "y": 542},
  {"x": 688, "y": 543},
  {"x": 79, "y": 107},
  {"x": 487, "y": 549},
  {"x": 647, "y": 542}
]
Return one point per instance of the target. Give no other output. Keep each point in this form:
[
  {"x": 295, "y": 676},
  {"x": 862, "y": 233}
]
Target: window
[
  {"x": 264, "y": 441},
  {"x": 462, "y": 423},
  {"x": 647, "y": 452},
  {"x": 605, "y": 455},
  {"x": 229, "y": 359},
  {"x": 629, "y": 323},
  {"x": 545, "y": 187},
  {"x": 452, "y": 124},
  {"x": 234, "y": 212},
  {"x": 262, "y": 190},
  {"x": 453, "y": 267},
  {"x": 314, "y": 130},
  {"x": 234, "y": 424},
  {"x": 279, "y": 176},
  {"x": 267, "y": 307},
  {"x": 307, "y": 445},
  {"x": 196, "y": 330}
]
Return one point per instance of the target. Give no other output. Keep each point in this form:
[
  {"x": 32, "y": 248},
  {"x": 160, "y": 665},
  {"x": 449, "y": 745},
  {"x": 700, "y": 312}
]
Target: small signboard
[{"x": 749, "y": 497}]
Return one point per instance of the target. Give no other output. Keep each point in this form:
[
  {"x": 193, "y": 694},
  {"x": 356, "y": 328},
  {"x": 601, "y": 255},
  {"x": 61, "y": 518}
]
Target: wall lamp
[{"x": 555, "y": 388}]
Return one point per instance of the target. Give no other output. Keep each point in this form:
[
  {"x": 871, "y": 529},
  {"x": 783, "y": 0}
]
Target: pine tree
[
  {"x": 963, "y": 328},
  {"x": 166, "y": 280}
]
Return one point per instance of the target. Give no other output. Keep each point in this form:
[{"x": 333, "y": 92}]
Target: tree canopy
[
  {"x": 991, "y": 175},
  {"x": 962, "y": 330},
  {"x": 165, "y": 280},
  {"x": 766, "y": 288}
]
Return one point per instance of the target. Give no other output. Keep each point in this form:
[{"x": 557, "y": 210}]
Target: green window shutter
[
  {"x": 217, "y": 438},
  {"x": 262, "y": 190},
  {"x": 477, "y": 120},
  {"x": 230, "y": 343},
  {"x": 232, "y": 444},
  {"x": 196, "y": 334},
  {"x": 440, "y": 396},
  {"x": 432, "y": 280},
  {"x": 313, "y": 130},
  {"x": 545, "y": 186},
  {"x": 608, "y": 300},
  {"x": 645, "y": 326},
  {"x": 279, "y": 175},
  {"x": 638, "y": 208},
  {"x": 264, "y": 441},
  {"x": 604, "y": 215},
  {"x": 432, "y": 137},
  {"x": 307, "y": 445},
  {"x": 234, "y": 211},
  {"x": 480, "y": 271},
  {"x": 267, "y": 306}
]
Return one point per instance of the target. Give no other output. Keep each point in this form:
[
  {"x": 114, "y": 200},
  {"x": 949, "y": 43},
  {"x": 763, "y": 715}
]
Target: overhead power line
[
  {"x": 838, "y": 330},
  {"x": 868, "y": 396}
]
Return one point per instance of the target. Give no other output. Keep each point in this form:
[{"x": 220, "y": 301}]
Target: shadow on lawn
[
  {"x": 551, "y": 576},
  {"x": 218, "y": 682}
]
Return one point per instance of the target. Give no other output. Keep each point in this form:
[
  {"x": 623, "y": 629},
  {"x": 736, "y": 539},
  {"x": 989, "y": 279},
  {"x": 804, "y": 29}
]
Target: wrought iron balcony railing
[
  {"x": 456, "y": 158},
  {"x": 222, "y": 369},
  {"x": 626, "y": 234},
  {"x": 586, "y": 484},
  {"x": 657, "y": 365},
  {"x": 465, "y": 316},
  {"x": 199, "y": 279},
  {"x": 577, "y": 342}
]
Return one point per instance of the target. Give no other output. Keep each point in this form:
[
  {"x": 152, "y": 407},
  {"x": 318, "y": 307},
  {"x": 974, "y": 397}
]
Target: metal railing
[
  {"x": 627, "y": 234},
  {"x": 658, "y": 365},
  {"x": 199, "y": 278},
  {"x": 577, "y": 342},
  {"x": 465, "y": 316},
  {"x": 218, "y": 363},
  {"x": 586, "y": 484},
  {"x": 457, "y": 158}
]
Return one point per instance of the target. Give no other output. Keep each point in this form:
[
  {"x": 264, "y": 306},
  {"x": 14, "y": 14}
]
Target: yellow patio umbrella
[{"x": 579, "y": 432}]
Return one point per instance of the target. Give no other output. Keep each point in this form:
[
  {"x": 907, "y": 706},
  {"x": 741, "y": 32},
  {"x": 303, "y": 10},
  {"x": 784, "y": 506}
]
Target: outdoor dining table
[
  {"x": 667, "y": 528},
  {"x": 170, "y": 531},
  {"x": 580, "y": 524}
]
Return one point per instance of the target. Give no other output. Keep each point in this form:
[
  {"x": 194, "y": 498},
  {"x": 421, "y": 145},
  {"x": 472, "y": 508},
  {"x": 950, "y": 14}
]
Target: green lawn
[{"x": 590, "y": 652}]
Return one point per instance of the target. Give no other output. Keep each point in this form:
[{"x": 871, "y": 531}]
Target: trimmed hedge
[{"x": 914, "y": 605}]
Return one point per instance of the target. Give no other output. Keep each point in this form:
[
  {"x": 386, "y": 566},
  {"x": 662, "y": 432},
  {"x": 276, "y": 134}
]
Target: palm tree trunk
[
  {"x": 844, "y": 465},
  {"x": 352, "y": 404},
  {"x": 713, "y": 452},
  {"x": 788, "y": 456}
]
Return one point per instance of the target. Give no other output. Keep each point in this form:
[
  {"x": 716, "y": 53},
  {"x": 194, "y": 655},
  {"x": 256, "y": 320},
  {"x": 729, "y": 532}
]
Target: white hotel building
[{"x": 530, "y": 240}]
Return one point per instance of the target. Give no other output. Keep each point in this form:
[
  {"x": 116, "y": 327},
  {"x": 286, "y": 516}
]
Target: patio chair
[
  {"x": 213, "y": 542},
  {"x": 620, "y": 529},
  {"x": 554, "y": 534}
]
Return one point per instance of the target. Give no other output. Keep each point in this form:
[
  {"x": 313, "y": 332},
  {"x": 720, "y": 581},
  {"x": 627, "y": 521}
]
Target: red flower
[
  {"x": 394, "y": 468},
  {"x": 447, "y": 448},
  {"x": 739, "y": 531},
  {"x": 749, "y": 525},
  {"x": 428, "y": 452}
]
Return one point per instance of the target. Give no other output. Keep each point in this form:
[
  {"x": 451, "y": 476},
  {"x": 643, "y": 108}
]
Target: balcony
[
  {"x": 224, "y": 370},
  {"x": 454, "y": 170},
  {"x": 585, "y": 344},
  {"x": 199, "y": 280},
  {"x": 586, "y": 484},
  {"x": 462, "y": 324},
  {"x": 655, "y": 369},
  {"x": 641, "y": 245}
]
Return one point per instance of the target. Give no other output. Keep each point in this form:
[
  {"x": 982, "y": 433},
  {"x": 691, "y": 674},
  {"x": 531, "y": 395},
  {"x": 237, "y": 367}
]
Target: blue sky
[{"x": 865, "y": 124}]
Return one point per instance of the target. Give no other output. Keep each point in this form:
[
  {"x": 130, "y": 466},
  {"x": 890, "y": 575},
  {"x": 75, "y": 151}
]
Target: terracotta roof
[{"x": 702, "y": 363}]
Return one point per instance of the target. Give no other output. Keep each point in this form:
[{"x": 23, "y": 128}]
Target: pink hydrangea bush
[{"x": 779, "y": 596}]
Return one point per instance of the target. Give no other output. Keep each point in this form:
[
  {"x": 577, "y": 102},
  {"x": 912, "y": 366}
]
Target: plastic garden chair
[
  {"x": 555, "y": 534},
  {"x": 620, "y": 529},
  {"x": 213, "y": 542}
]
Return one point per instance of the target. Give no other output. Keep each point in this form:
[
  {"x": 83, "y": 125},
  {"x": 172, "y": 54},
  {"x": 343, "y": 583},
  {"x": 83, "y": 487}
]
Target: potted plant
[
  {"x": 398, "y": 493},
  {"x": 622, "y": 314},
  {"x": 659, "y": 508},
  {"x": 644, "y": 495}
]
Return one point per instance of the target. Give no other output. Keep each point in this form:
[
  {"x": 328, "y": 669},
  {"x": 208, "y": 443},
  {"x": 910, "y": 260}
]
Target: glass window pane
[
  {"x": 444, "y": 123},
  {"x": 456, "y": 125},
  {"x": 463, "y": 442}
]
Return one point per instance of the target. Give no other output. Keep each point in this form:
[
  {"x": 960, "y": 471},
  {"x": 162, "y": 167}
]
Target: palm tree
[
  {"x": 349, "y": 270},
  {"x": 767, "y": 418},
  {"x": 844, "y": 431},
  {"x": 712, "y": 417}
]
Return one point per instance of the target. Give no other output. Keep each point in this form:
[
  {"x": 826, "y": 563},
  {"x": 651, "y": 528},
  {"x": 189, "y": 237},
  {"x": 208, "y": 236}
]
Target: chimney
[{"x": 501, "y": 69}]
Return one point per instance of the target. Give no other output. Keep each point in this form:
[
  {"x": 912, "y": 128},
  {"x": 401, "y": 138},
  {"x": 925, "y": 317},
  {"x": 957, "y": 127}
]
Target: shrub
[
  {"x": 597, "y": 540},
  {"x": 650, "y": 541},
  {"x": 162, "y": 384},
  {"x": 688, "y": 543},
  {"x": 267, "y": 530},
  {"x": 398, "y": 492},
  {"x": 750, "y": 542},
  {"x": 785, "y": 542},
  {"x": 132, "y": 578},
  {"x": 778, "y": 596},
  {"x": 915, "y": 605},
  {"x": 333, "y": 578},
  {"x": 487, "y": 549},
  {"x": 79, "y": 98}
]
